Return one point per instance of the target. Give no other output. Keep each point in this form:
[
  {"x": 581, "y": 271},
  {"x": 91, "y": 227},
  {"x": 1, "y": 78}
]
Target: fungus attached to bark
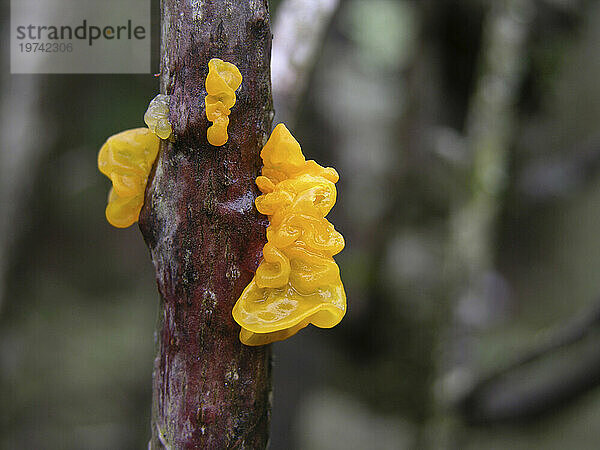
[
  {"x": 221, "y": 83},
  {"x": 126, "y": 158},
  {"x": 298, "y": 281},
  {"x": 157, "y": 116}
]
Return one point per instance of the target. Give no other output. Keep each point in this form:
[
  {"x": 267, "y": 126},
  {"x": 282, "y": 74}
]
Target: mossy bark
[{"x": 204, "y": 233}]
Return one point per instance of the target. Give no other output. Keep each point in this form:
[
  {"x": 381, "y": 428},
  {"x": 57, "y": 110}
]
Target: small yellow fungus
[
  {"x": 221, "y": 83},
  {"x": 298, "y": 281},
  {"x": 157, "y": 116},
  {"x": 126, "y": 158}
]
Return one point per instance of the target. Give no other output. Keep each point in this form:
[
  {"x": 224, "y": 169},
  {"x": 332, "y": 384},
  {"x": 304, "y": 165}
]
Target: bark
[{"x": 204, "y": 233}]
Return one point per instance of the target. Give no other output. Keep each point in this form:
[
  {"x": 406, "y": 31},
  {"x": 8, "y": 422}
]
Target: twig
[{"x": 498, "y": 397}]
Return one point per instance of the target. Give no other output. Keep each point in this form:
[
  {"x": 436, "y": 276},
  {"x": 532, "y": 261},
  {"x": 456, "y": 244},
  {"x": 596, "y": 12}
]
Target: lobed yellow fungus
[
  {"x": 298, "y": 281},
  {"x": 221, "y": 83},
  {"x": 157, "y": 116},
  {"x": 126, "y": 158}
]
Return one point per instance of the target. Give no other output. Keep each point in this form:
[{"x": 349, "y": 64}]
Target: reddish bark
[{"x": 204, "y": 233}]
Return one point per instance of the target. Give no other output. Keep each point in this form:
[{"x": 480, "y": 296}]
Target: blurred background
[{"x": 466, "y": 135}]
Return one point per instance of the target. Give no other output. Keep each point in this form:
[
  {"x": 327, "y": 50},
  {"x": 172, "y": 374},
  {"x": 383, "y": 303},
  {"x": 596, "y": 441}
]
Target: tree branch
[
  {"x": 489, "y": 131},
  {"x": 506, "y": 395},
  {"x": 298, "y": 35},
  {"x": 204, "y": 234}
]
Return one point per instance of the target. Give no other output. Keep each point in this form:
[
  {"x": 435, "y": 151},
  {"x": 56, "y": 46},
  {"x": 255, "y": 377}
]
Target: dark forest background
[{"x": 466, "y": 136}]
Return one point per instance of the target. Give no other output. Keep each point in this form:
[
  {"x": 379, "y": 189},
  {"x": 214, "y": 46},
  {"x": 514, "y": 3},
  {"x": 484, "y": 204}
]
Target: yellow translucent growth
[
  {"x": 126, "y": 158},
  {"x": 157, "y": 116},
  {"x": 298, "y": 281},
  {"x": 221, "y": 83}
]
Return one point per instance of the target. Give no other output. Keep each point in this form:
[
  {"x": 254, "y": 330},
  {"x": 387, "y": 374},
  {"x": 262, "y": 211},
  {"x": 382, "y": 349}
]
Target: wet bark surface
[{"x": 204, "y": 233}]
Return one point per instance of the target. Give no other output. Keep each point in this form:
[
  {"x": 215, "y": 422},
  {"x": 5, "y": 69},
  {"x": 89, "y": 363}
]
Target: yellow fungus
[
  {"x": 157, "y": 116},
  {"x": 298, "y": 281},
  {"x": 221, "y": 83},
  {"x": 126, "y": 158}
]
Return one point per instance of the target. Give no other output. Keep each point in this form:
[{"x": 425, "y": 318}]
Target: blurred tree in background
[{"x": 465, "y": 133}]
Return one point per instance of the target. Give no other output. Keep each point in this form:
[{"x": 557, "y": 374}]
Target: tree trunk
[{"x": 204, "y": 233}]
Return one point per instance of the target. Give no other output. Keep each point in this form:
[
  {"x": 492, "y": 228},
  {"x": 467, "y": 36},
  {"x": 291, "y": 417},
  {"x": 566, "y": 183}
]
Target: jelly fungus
[
  {"x": 297, "y": 281},
  {"x": 127, "y": 158},
  {"x": 221, "y": 83},
  {"x": 157, "y": 116}
]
